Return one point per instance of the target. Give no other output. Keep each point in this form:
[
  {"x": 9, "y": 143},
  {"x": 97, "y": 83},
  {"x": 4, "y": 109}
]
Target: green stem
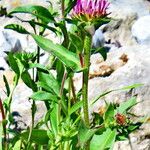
[
  {"x": 87, "y": 49},
  {"x": 69, "y": 96},
  {"x": 9, "y": 100},
  {"x": 63, "y": 28},
  {"x": 73, "y": 91},
  {"x": 87, "y": 54},
  {"x": 60, "y": 104},
  {"x": 8, "y": 104}
]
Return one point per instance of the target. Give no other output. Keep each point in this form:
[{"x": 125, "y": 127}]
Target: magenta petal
[{"x": 91, "y": 8}]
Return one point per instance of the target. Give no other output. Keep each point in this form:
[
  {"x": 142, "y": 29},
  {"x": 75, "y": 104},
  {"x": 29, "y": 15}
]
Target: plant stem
[
  {"x": 63, "y": 8},
  {"x": 3, "y": 124},
  {"x": 69, "y": 95},
  {"x": 64, "y": 28},
  {"x": 9, "y": 100},
  {"x": 60, "y": 104},
  {"x": 87, "y": 54},
  {"x": 73, "y": 91},
  {"x": 87, "y": 48},
  {"x": 61, "y": 93}
]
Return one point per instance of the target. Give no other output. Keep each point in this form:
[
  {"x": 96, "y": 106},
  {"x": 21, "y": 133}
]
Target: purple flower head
[{"x": 90, "y": 9}]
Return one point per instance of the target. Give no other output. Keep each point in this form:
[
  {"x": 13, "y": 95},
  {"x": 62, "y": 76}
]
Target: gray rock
[
  {"x": 123, "y": 8},
  {"x": 135, "y": 70},
  {"x": 98, "y": 39},
  {"x": 141, "y": 30},
  {"x": 124, "y": 14},
  {"x": 11, "y": 41},
  {"x": 119, "y": 30},
  {"x": 22, "y": 105}
]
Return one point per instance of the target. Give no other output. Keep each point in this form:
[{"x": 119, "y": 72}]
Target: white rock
[
  {"x": 136, "y": 70},
  {"x": 123, "y": 8},
  {"x": 3, "y": 64},
  {"x": 98, "y": 39},
  {"x": 11, "y": 41},
  {"x": 141, "y": 30}
]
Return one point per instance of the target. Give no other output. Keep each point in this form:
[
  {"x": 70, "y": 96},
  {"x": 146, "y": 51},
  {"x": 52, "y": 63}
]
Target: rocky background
[{"x": 127, "y": 37}]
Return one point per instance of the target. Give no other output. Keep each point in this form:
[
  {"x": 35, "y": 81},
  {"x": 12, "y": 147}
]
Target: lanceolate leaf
[
  {"x": 17, "y": 28},
  {"x": 49, "y": 83},
  {"x": 54, "y": 119},
  {"x": 109, "y": 115},
  {"x": 42, "y": 95},
  {"x": 85, "y": 134},
  {"x": 28, "y": 80},
  {"x": 6, "y": 85},
  {"x": 37, "y": 136},
  {"x": 38, "y": 11},
  {"x": 71, "y": 4},
  {"x": 123, "y": 89},
  {"x": 75, "y": 107},
  {"x": 68, "y": 58},
  {"x": 125, "y": 106},
  {"x": 45, "y": 26},
  {"x": 77, "y": 42},
  {"x": 13, "y": 63},
  {"x": 104, "y": 141},
  {"x": 132, "y": 86}
]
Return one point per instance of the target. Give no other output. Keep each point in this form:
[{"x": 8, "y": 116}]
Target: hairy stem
[{"x": 87, "y": 48}]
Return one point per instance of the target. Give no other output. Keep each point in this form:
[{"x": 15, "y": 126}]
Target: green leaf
[
  {"x": 131, "y": 86},
  {"x": 35, "y": 10},
  {"x": 85, "y": 134},
  {"x": 47, "y": 116},
  {"x": 17, "y": 28},
  {"x": 39, "y": 66},
  {"x": 75, "y": 107},
  {"x": 77, "y": 42},
  {"x": 68, "y": 58},
  {"x": 133, "y": 127},
  {"x": 13, "y": 63},
  {"x": 123, "y": 88},
  {"x": 71, "y": 4},
  {"x": 49, "y": 83},
  {"x": 125, "y": 106},
  {"x": 45, "y": 26},
  {"x": 38, "y": 136},
  {"x": 109, "y": 115},
  {"x": 42, "y": 96},
  {"x": 28, "y": 80},
  {"x": 103, "y": 52},
  {"x": 104, "y": 141},
  {"x": 54, "y": 119},
  {"x": 17, "y": 145},
  {"x": 100, "y": 96},
  {"x": 6, "y": 85},
  {"x": 60, "y": 71}
]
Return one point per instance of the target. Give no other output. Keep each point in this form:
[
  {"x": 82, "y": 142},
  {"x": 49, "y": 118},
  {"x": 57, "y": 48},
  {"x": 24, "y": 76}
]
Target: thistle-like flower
[{"x": 90, "y": 10}]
